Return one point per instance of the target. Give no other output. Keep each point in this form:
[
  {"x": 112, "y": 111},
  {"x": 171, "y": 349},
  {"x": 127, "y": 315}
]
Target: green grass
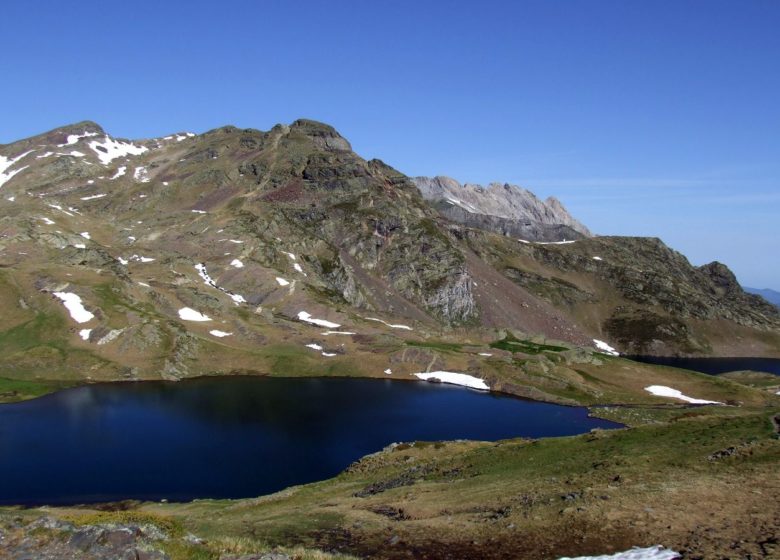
[
  {"x": 45, "y": 329},
  {"x": 286, "y": 360},
  {"x": 513, "y": 344},
  {"x": 12, "y": 390},
  {"x": 435, "y": 345}
]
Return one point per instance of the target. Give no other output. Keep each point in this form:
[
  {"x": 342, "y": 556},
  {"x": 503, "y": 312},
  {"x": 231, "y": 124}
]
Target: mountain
[
  {"x": 243, "y": 250},
  {"x": 501, "y": 208},
  {"x": 771, "y": 296}
]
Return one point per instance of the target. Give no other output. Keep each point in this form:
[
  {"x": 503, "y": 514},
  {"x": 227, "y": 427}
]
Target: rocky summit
[
  {"x": 502, "y": 208},
  {"x": 243, "y": 250}
]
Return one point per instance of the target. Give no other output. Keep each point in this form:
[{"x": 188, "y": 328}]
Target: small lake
[
  {"x": 236, "y": 437},
  {"x": 714, "y": 366}
]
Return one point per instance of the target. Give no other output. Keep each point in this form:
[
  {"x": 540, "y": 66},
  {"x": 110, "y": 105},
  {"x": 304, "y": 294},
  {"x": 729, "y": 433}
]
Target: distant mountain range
[{"x": 771, "y": 296}]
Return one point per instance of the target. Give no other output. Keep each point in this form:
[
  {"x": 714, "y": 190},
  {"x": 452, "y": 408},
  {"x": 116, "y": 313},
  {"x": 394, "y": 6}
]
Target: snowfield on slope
[
  {"x": 110, "y": 149},
  {"x": 662, "y": 391},
  {"x": 6, "y": 163},
  {"x": 307, "y": 318},
  {"x": 189, "y": 314},
  {"x": 404, "y": 327},
  {"x": 76, "y": 309},
  {"x": 453, "y": 378},
  {"x": 650, "y": 553},
  {"x": 605, "y": 348}
]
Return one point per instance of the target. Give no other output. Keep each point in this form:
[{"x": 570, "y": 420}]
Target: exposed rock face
[
  {"x": 502, "y": 208},
  {"x": 519, "y": 229}
]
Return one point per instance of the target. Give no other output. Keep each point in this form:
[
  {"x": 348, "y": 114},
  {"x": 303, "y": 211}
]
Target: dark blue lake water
[
  {"x": 715, "y": 366},
  {"x": 239, "y": 436}
]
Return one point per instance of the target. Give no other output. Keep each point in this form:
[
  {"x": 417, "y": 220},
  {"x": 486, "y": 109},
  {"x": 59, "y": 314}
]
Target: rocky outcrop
[
  {"x": 519, "y": 229},
  {"x": 497, "y": 206}
]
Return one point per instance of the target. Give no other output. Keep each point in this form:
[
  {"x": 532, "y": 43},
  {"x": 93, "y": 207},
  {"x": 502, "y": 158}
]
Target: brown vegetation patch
[{"x": 290, "y": 192}]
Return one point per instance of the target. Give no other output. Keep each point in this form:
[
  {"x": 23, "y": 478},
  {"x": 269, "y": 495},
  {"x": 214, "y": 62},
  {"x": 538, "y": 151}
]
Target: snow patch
[
  {"x": 60, "y": 208},
  {"x": 76, "y": 309},
  {"x": 236, "y": 263},
  {"x": 236, "y": 241},
  {"x": 47, "y": 220},
  {"x": 220, "y": 334},
  {"x": 465, "y": 205},
  {"x": 84, "y": 334},
  {"x": 110, "y": 149},
  {"x": 119, "y": 172},
  {"x": 141, "y": 175},
  {"x": 282, "y": 281},
  {"x": 454, "y": 379},
  {"x": 329, "y": 354},
  {"x": 485, "y": 354},
  {"x": 198, "y": 211},
  {"x": 203, "y": 273},
  {"x": 73, "y": 138},
  {"x": 5, "y": 177},
  {"x": 307, "y": 318},
  {"x": 388, "y": 371},
  {"x": 314, "y": 347},
  {"x": 292, "y": 257},
  {"x": 663, "y": 391},
  {"x": 85, "y": 235},
  {"x": 404, "y": 327},
  {"x": 139, "y": 258},
  {"x": 189, "y": 314},
  {"x": 605, "y": 348},
  {"x": 7, "y": 163},
  {"x": 298, "y": 268},
  {"x": 93, "y": 197},
  {"x": 327, "y": 333},
  {"x": 657, "y": 552},
  {"x": 597, "y": 259},
  {"x": 201, "y": 268}
]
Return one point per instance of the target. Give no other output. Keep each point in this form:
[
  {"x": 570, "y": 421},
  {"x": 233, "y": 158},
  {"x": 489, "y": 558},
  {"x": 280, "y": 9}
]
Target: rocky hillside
[
  {"x": 502, "y": 208},
  {"x": 244, "y": 250}
]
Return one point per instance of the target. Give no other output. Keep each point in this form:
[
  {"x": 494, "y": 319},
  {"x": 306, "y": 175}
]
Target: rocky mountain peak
[
  {"x": 324, "y": 136},
  {"x": 512, "y": 210},
  {"x": 722, "y": 277}
]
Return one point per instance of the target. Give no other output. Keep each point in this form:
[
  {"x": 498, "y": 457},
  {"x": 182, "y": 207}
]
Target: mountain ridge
[
  {"x": 258, "y": 232},
  {"x": 503, "y": 201}
]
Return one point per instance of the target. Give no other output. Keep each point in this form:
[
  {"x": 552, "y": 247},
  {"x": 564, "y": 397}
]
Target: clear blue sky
[{"x": 647, "y": 118}]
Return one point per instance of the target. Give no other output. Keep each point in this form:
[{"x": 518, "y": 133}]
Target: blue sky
[{"x": 645, "y": 118}]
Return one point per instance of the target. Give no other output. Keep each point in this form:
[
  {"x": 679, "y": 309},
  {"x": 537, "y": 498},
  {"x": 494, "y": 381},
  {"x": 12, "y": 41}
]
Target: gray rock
[{"x": 510, "y": 202}]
